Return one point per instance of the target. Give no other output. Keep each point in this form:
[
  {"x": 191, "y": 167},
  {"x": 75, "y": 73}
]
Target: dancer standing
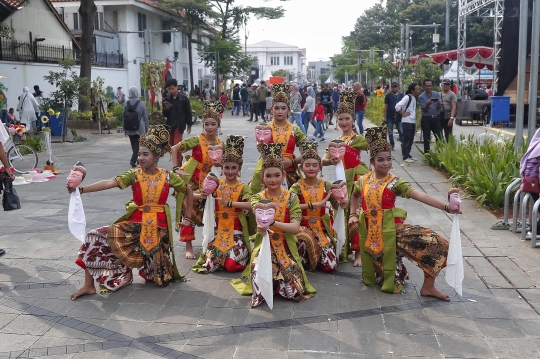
[
  {"x": 142, "y": 237},
  {"x": 351, "y": 160},
  {"x": 385, "y": 238},
  {"x": 194, "y": 170},
  {"x": 230, "y": 248}
]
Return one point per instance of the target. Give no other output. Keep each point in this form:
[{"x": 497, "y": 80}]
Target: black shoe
[
  {"x": 2, "y": 252},
  {"x": 330, "y": 123},
  {"x": 256, "y": 120},
  {"x": 249, "y": 120}
]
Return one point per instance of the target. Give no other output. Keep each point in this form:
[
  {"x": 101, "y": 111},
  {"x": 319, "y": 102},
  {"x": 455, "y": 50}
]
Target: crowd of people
[{"x": 285, "y": 204}]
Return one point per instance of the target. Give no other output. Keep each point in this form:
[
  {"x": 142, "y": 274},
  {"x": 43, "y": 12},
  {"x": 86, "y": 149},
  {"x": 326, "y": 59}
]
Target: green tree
[
  {"x": 280, "y": 72},
  {"x": 87, "y": 11},
  {"x": 347, "y": 61},
  {"x": 420, "y": 70},
  {"x": 323, "y": 77},
  {"x": 232, "y": 60}
]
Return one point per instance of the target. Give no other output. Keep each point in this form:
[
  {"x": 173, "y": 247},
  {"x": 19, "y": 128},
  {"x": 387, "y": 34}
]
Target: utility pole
[
  {"x": 447, "y": 29},
  {"x": 522, "y": 69},
  {"x": 533, "y": 73}
]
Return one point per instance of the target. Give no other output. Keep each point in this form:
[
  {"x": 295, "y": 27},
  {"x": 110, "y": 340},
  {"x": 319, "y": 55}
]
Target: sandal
[{"x": 500, "y": 225}]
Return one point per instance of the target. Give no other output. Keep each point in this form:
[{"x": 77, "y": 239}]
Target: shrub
[
  {"x": 117, "y": 110},
  {"x": 196, "y": 106},
  {"x": 80, "y": 115},
  {"x": 34, "y": 142},
  {"x": 482, "y": 166},
  {"x": 375, "y": 110}
]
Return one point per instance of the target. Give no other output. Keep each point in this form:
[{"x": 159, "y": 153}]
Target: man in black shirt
[
  {"x": 177, "y": 111},
  {"x": 326, "y": 99},
  {"x": 390, "y": 101}
]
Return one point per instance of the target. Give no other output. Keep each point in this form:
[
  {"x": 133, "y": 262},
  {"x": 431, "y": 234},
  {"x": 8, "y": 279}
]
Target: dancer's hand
[
  {"x": 262, "y": 229},
  {"x": 344, "y": 205},
  {"x": 181, "y": 172},
  {"x": 70, "y": 189},
  {"x": 353, "y": 220},
  {"x": 334, "y": 160},
  {"x": 323, "y": 202}
]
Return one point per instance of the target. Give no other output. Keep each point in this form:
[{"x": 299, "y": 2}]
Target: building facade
[
  {"x": 272, "y": 56},
  {"x": 315, "y": 69}
]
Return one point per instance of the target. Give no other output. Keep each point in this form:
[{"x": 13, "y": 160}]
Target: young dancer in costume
[
  {"x": 316, "y": 244},
  {"x": 288, "y": 277},
  {"x": 194, "y": 170},
  {"x": 230, "y": 248},
  {"x": 352, "y": 163},
  {"x": 384, "y": 237},
  {"x": 142, "y": 237}
]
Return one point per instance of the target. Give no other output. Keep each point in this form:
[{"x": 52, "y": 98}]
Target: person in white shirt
[
  {"x": 407, "y": 108},
  {"x": 28, "y": 106}
]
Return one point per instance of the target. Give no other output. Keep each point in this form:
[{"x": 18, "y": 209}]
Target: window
[
  {"x": 98, "y": 21},
  {"x": 199, "y": 77},
  {"x": 184, "y": 41},
  {"x": 142, "y": 24},
  {"x": 287, "y": 60},
  {"x": 76, "y": 21},
  {"x": 185, "y": 76},
  {"x": 166, "y": 36},
  {"x": 199, "y": 43},
  {"x": 274, "y": 60}
]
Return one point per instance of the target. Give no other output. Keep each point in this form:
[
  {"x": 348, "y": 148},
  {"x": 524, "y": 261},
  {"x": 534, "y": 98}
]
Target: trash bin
[
  {"x": 56, "y": 125},
  {"x": 500, "y": 110}
]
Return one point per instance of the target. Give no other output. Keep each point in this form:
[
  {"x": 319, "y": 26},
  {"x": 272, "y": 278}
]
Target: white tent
[
  {"x": 330, "y": 79},
  {"x": 452, "y": 72},
  {"x": 483, "y": 74}
]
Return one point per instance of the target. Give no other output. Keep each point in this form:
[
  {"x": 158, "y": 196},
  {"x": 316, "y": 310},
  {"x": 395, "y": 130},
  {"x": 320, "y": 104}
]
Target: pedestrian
[
  {"x": 110, "y": 96},
  {"x": 449, "y": 100},
  {"x": 12, "y": 118},
  {"x": 223, "y": 99},
  {"x": 268, "y": 106},
  {"x": 197, "y": 92},
  {"x": 177, "y": 111},
  {"x": 3, "y": 111},
  {"x": 237, "y": 101},
  {"x": 4, "y": 137},
  {"x": 296, "y": 108},
  {"x": 379, "y": 92},
  {"x": 309, "y": 108},
  {"x": 359, "y": 106},
  {"x": 244, "y": 97},
  {"x": 134, "y": 122},
  {"x": 407, "y": 109},
  {"x": 207, "y": 92},
  {"x": 489, "y": 91},
  {"x": 326, "y": 98},
  {"x": 318, "y": 116},
  {"x": 28, "y": 106},
  {"x": 335, "y": 97},
  {"x": 390, "y": 118},
  {"x": 430, "y": 103},
  {"x": 38, "y": 95},
  {"x": 120, "y": 97},
  {"x": 254, "y": 100},
  {"x": 261, "y": 94}
]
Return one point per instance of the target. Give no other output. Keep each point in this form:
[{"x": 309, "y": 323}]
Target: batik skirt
[
  {"x": 232, "y": 261},
  {"x": 312, "y": 253}
]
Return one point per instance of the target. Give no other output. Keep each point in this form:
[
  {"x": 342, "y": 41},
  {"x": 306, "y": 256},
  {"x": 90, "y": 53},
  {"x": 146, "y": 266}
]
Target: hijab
[
  {"x": 25, "y": 89},
  {"x": 311, "y": 91},
  {"x": 532, "y": 152},
  {"x": 295, "y": 89}
]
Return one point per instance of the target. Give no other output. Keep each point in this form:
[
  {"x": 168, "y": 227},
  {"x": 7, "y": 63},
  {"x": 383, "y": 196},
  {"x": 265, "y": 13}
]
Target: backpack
[
  {"x": 131, "y": 117},
  {"x": 398, "y": 117}
]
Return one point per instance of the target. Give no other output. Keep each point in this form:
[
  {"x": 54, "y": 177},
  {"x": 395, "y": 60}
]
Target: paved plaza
[{"x": 497, "y": 317}]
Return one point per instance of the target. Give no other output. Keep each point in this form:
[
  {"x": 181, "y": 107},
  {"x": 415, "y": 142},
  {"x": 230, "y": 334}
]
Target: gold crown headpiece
[
  {"x": 212, "y": 109},
  {"x": 281, "y": 93},
  {"x": 234, "y": 150},
  {"x": 272, "y": 156},
  {"x": 156, "y": 140},
  {"x": 376, "y": 140},
  {"x": 309, "y": 149},
  {"x": 346, "y": 103}
]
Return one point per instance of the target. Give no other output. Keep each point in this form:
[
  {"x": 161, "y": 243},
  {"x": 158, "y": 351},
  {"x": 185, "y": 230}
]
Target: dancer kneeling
[
  {"x": 316, "y": 244},
  {"x": 288, "y": 277},
  {"x": 142, "y": 237},
  {"x": 230, "y": 248},
  {"x": 384, "y": 237}
]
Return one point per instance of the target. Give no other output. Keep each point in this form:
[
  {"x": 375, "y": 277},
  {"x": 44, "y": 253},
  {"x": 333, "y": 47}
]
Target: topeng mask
[
  {"x": 339, "y": 191},
  {"x": 215, "y": 151},
  {"x": 336, "y": 149},
  {"x": 211, "y": 182},
  {"x": 454, "y": 199},
  {"x": 76, "y": 175},
  {"x": 263, "y": 133},
  {"x": 265, "y": 212}
]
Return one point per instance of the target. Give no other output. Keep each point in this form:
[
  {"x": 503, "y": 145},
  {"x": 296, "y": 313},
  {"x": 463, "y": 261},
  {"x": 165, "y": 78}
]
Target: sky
[{"x": 329, "y": 21}]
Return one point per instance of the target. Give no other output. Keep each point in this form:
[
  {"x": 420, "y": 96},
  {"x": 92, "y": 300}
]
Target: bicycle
[{"x": 20, "y": 156}]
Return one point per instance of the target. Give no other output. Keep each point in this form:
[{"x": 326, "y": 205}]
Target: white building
[
  {"x": 117, "y": 24},
  {"x": 273, "y": 56}
]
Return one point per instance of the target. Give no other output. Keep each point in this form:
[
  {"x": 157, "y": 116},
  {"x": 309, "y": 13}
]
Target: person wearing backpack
[
  {"x": 406, "y": 108},
  {"x": 134, "y": 122}
]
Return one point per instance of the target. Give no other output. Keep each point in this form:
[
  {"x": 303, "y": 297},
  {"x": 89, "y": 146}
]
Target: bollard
[{"x": 509, "y": 189}]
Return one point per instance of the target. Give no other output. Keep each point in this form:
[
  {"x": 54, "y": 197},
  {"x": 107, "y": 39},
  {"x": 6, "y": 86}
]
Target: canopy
[
  {"x": 330, "y": 79},
  {"x": 479, "y": 56},
  {"x": 452, "y": 72}
]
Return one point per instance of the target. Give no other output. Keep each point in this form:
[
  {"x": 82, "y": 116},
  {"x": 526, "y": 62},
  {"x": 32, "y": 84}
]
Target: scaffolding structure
[{"x": 480, "y": 9}]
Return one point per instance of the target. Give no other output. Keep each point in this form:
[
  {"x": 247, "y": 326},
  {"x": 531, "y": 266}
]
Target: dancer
[
  {"x": 289, "y": 278},
  {"x": 316, "y": 244},
  {"x": 194, "y": 170},
  {"x": 351, "y": 159},
  {"x": 230, "y": 248},
  {"x": 142, "y": 237},
  {"x": 385, "y": 238}
]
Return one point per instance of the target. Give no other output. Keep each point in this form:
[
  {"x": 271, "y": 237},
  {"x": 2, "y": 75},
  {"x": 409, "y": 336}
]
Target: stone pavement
[{"x": 497, "y": 317}]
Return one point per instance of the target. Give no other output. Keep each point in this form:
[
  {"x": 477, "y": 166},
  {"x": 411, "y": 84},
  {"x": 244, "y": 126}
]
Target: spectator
[
  {"x": 449, "y": 100},
  {"x": 335, "y": 97},
  {"x": 309, "y": 108},
  {"x": 359, "y": 106},
  {"x": 318, "y": 116},
  {"x": 407, "y": 109},
  {"x": 109, "y": 95},
  {"x": 28, "y": 106},
  {"x": 366, "y": 90},
  {"x": 430, "y": 102},
  {"x": 11, "y": 118},
  {"x": 207, "y": 92},
  {"x": 254, "y": 108},
  {"x": 197, "y": 92},
  {"x": 261, "y": 94},
  {"x": 379, "y": 92},
  {"x": 296, "y": 108},
  {"x": 236, "y": 99},
  {"x": 390, "y": 101},
  {"x": 133, "y": 103},
  {"x": 244, "y": 96},
  {"x": 177, "y": 110},
  {"x": 268, "y": 106},
  {"x": 4, "y": 112},
  {"x": 120, "y": 97},
  {"x": 38, "y": 95},
  {"x": 223, "y": 99},
  {"x": 326, "y": 98},
  {"x": 489, "y": 91}
]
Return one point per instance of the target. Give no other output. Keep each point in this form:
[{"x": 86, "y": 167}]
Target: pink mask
[
  {"x": 211, "y": 182},
  {"x": 74, "y": 179},
  {"x": 263, "y": 134},
  {"x": 214, "y": 153},
  {"x": 336, "y": 149},
  {"x": 265, "y": 213},
  {"x": 339, "y": 191},
  {"x": 454, "y": 199}
]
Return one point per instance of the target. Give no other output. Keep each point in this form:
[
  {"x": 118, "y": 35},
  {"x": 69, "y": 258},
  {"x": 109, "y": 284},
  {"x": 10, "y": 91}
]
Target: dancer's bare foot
[
  {"x": 357, "y": 260},
  {"x": 85, "y": 290},
  {"x": 189, "y": 251},
  {"x": 429, "y": 290}
]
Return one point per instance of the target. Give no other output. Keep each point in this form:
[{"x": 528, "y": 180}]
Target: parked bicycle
[{"x": 20, "y": 156}]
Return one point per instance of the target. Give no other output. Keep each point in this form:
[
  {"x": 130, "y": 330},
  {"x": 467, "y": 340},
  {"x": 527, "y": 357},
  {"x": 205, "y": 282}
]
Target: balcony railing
[{"x": 13, "y": 50}]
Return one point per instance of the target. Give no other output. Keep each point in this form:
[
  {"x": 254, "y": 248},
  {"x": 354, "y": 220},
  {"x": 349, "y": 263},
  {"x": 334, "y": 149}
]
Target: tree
[
  {"x": 232, "y": 60},
  {"x": 347, "y": 61},
  {"x": 189, "y": 16},
  {"x": 280, "y": 72},
  {"x": 323, "y": 77},
  {"x": 420, "y": 70},
  {"x": 87, "y": 11}
]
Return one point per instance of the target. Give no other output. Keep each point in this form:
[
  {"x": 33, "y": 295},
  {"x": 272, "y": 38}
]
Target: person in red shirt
[{"x": 319, "y": 115}]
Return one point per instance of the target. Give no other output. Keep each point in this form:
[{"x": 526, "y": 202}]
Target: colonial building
[
  {"x": 272, "y": 56},
  {"x": 315, "y": 69}
]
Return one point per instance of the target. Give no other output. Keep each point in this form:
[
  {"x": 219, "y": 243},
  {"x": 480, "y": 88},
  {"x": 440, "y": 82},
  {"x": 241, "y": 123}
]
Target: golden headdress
[
  {"x": 212, "y": 109},
  {"x": 281, "y": 93},
  {"x": 376, "y": 140},
  {"x": 272, "y": 156},
  {"x": 156, "y": 140},
  {"x": 308, "y": 149},
  {"x": 346, "y": 103},
  {"x": 234, "y": 150}
]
